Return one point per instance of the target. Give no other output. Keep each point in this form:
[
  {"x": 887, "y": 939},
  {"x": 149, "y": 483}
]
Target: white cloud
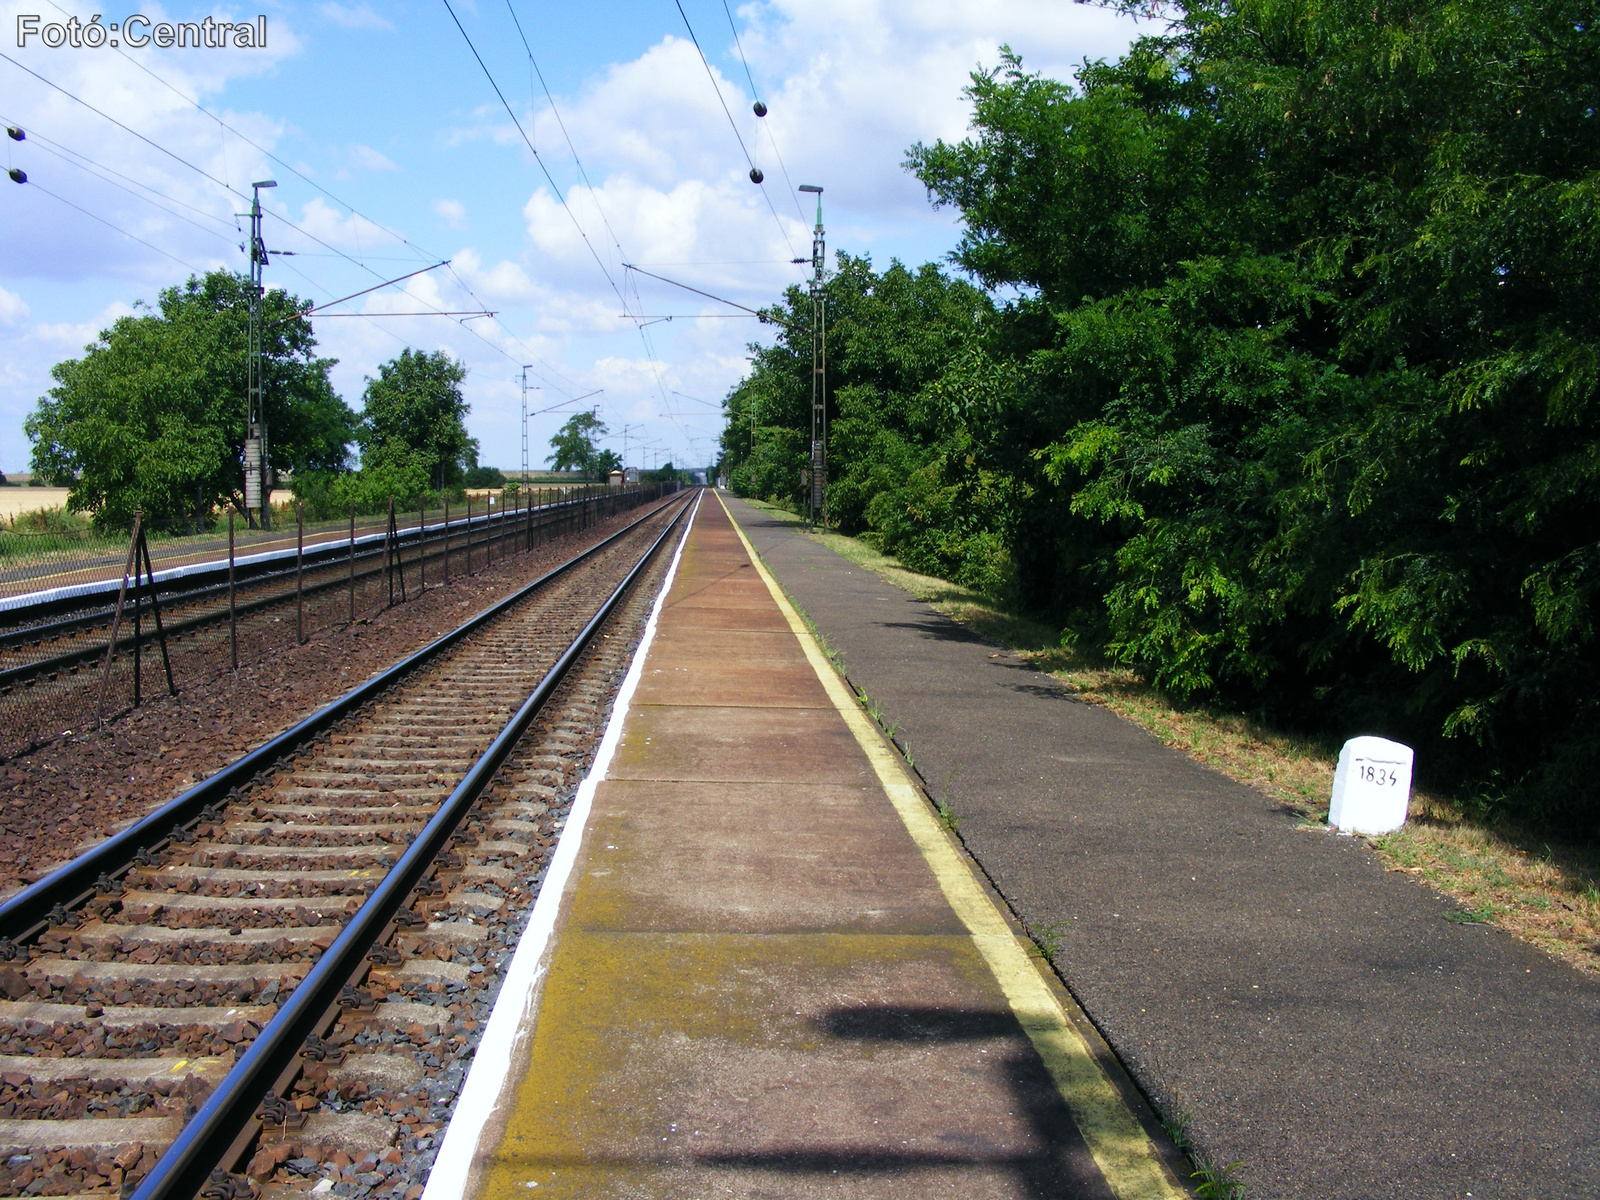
[
  {"x": 849, "y": 85},
  {"x": 453, "y": 212},
  {"x": 175, "y": 197},
  {"x": 13, "y": 311},
  {"x": 369, "y": 159},
  {"x": 357, "y": 16},
  {"x": 349, "y": 232}
]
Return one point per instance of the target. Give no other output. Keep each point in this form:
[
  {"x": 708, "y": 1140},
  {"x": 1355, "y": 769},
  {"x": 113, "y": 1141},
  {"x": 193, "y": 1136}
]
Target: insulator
[
  {"x": 759, "y": 109},
  {"x": 755, "y": 175},
  {"x": 18, "y": 175},
  {"x": 15, "y": 134}
]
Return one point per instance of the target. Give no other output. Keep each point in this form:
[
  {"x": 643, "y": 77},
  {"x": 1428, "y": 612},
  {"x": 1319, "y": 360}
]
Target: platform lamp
[{"x": 816, "y": 511}]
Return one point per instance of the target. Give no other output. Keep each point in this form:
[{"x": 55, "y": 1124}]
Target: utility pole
[
  {"x": 257, "y": 484},
  {"x": 816, "y": 512},
  {"x": 525, "y": 425}
]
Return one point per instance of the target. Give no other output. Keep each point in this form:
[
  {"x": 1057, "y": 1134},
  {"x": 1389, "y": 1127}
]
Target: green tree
[
  {"x": 152, "y": 416},
  {"x": 1308, "y": 358},
  {"x": 1293, "y": 401},
  {"x": 574, "y": 444},
  {"x": 414, "y": 412}
]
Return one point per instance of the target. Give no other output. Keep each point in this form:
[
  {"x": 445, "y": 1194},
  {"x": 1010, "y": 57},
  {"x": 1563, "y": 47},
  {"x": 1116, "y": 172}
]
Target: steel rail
[
  {"x": 188, "y": 1162},
  {"x": 330, "y": 559},
  {"x": 29, "y": 910},
  {"x": 194, "y": 578}
]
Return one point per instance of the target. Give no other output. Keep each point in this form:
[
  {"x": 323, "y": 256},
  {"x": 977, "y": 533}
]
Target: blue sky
[{"x": 395, "y": 153}]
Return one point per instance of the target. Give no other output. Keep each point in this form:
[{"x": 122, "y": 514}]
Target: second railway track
[{"x": 367, "y": 837}]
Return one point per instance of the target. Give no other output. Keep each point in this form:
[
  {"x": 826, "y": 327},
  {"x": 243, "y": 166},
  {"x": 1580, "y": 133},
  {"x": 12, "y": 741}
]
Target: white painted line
[{"x": 511, "y": 1020}]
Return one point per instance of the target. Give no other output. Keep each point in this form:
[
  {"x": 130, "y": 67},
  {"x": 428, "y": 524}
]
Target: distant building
[
  {"x": 630, "y": 475},
  {"x": 615, "y": 479}
]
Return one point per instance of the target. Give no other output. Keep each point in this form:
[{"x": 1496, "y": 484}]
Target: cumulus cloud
[
  {"x": 452, "y": 212},
  {"x": 849, "y": 85},
  {"x": 369, "y": 159},
  {"x": 13, "y": 311}
]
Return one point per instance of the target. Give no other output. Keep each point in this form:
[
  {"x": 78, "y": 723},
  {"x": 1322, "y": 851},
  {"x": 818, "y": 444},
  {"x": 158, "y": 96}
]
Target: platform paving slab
[
  {"x": 1321, "y": 1020},
  {"x": 757, "y": 986}
]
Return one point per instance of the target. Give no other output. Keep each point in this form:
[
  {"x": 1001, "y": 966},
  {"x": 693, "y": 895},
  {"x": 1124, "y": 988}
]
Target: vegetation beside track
[
  {"x": 1273, "y": 376},
  {"x": 1545, "y": 892}
]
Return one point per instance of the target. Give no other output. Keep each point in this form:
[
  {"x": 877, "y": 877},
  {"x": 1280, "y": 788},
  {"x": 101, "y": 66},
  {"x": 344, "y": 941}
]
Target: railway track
[
  {"x": 283, "y": 969},
  {"x": 38, "y": 642}
]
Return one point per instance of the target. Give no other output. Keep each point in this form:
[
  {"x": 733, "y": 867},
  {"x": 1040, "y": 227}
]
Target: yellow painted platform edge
[{"x": 1122, "y": 1150}]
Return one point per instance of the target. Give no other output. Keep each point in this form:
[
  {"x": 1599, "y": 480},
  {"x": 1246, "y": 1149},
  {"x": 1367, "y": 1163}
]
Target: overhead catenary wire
[
  {"x": 335, "y": 251},
  {"x": 755, "y": 312},
  {"x": 66, "y": 158},
  {"x": 33, "y": 183},
  {"x": 68, "y": 155},
  {"x": 732, "y": 124},
  {"x": 489, "y": 75},
  {"x": 235, "y": 192},
  {"x": 583, "y": 173},
  {"x": 756, "y": 95},
  {"x": 249, "y": 141},
  {"x": 416, "y": 249},
  {"x": 562, "y": 125}
]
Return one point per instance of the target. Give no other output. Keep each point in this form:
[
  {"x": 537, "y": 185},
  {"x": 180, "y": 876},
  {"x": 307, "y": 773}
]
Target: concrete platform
[
  {"x": 1320, "y": 1020},
  {"x": 772, "y": 974}
]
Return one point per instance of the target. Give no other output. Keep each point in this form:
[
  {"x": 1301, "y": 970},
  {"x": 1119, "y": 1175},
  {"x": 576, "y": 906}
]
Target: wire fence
[
  {"x": 79, "y": 559},
  {"x": 78, "y": 636}
]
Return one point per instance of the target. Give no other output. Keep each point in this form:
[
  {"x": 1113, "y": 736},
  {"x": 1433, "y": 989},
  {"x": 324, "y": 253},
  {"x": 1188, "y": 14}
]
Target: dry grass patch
[{"x": 1544, "y": 893}]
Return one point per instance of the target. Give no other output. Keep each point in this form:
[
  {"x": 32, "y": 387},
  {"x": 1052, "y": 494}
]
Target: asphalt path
[{"x": 1311, "y": 1015}]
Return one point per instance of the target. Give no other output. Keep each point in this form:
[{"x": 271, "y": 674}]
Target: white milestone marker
[{"x": 1371, "y": 786}]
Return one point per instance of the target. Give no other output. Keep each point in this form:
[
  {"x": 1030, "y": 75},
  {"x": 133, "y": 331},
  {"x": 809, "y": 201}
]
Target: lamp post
[
  {"x": 816, "y": 510},
  {"x": 257, "y": 484}
]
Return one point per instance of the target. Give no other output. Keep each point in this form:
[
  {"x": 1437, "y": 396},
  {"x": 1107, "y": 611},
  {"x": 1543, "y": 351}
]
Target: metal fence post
[
  {"x": 469, "y": 534},
  {"x": 299, "y": 574},
  {"x": 388, "y": 554},
  {"x": 352, "y": 563},
  {"x": 155, "y": 611},
  {"x": 233, "y": 615},
  {"x": 138, "y": 595},
  {"x": 422, "y": 547},
  {"x": 447, "y": 541},
  {"x": 116, "y": 620},
  {"x": 399, "y": 554}
]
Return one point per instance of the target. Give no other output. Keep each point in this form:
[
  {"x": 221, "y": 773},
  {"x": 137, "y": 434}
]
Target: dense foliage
[
  {"x": 1295, "y": 403},
  {"x": 413, "y": 438},
  {"x": 413, "y": 417},
  {"x": 152, "y": 416},
  {"x": 575, "y": 449}
]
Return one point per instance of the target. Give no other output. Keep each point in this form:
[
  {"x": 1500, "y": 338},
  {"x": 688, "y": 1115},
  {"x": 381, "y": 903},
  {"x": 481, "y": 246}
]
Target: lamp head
[{"x": 265, "y": 183}]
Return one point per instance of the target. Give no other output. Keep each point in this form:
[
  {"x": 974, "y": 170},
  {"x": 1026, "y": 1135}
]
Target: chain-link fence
[{"x": 235, "y": 596}]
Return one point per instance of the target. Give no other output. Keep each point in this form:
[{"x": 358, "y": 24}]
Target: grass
[{"x": 1545, "y": 893}]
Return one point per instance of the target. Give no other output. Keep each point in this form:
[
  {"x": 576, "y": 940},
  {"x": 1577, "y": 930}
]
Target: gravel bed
[
  {"x": 544, "y": 772},
  {"x": 81, "y": 788}
]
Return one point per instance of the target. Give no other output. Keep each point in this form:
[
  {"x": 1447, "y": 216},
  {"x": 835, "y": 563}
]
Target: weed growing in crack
[
  {"x": 1218, "y": 1183},
  {"x": 1047, "y": 941}
]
